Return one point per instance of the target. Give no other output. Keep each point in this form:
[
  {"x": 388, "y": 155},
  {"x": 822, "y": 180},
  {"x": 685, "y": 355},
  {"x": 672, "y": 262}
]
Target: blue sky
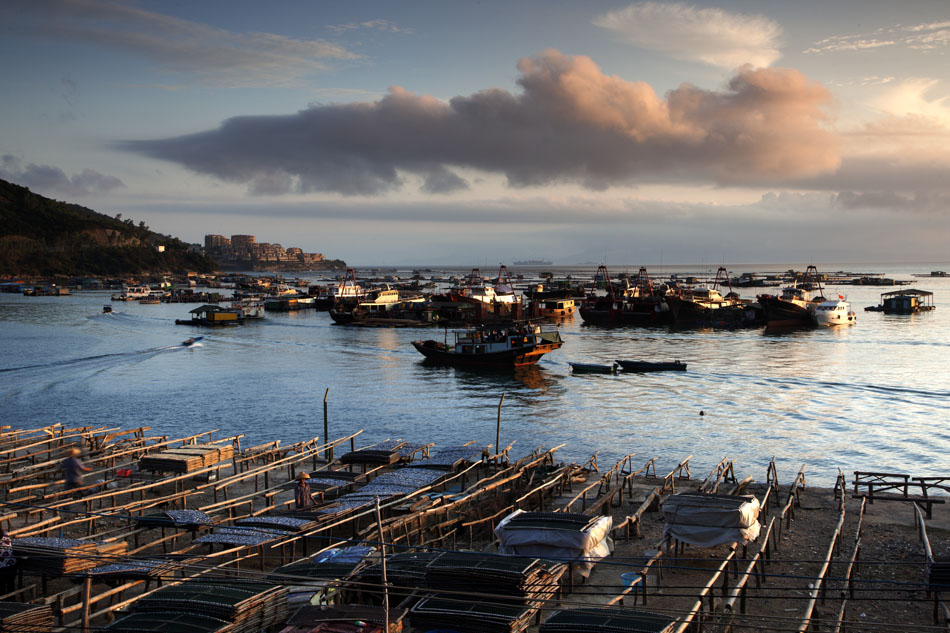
[{"x": 468, "y": 133}]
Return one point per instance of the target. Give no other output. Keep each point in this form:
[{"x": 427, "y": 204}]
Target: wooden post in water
[
  {"x": 326, "y": 432},
  {"x": 498, "y": 426}
]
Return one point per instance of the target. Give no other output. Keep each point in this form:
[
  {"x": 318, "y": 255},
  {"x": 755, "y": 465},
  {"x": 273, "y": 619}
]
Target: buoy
[{"x": 702, "y": 413}]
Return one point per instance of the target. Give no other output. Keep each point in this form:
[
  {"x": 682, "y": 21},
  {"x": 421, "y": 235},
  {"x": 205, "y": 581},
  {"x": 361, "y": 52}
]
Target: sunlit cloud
[
  {"x": 708, "y": 35},
  {"x": 215, "y": 55},
  {"x": 924, "y": 36},
  {"x": 915, "y": 96},
  {"x": 571, "y": 123}
]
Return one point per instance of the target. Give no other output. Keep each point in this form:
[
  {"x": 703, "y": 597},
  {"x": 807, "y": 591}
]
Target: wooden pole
[
  {"x": 86, "y": 595},
  {"x": 382, "y": 554},
  {"x": 326, "y": 431},
  {"x": 498, "y": 427}
]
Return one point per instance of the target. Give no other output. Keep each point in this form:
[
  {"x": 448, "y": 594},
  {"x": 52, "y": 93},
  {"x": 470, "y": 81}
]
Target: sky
[{"x": 476, "y": 133}]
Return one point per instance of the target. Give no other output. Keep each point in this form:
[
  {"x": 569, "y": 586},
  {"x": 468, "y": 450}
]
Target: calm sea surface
[{"x": 870, "y": 396}]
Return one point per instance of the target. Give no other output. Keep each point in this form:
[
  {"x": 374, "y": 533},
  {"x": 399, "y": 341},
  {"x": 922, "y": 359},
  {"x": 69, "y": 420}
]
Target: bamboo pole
[
  {"x": 382, "y": 552},
  {"x": 498, "y": 426}
]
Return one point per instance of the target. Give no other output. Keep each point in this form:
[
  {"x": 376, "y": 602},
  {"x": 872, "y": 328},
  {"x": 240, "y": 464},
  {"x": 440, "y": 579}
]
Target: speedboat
[
  {"x": 512, "y": 345},
  {"x": 835, "y": 312},
  {"x": 188, "y": 342}
]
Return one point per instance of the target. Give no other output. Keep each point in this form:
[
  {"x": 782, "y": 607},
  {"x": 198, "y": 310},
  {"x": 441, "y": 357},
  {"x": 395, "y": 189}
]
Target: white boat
[
  {"x": 133, "y": 293},
  {"x": 835, "y": 312}
]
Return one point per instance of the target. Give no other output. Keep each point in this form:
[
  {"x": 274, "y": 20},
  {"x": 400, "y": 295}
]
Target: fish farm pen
[{"x": 201, "y": 534}]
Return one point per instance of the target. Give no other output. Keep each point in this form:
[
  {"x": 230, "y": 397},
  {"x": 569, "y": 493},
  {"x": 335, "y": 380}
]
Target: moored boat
[
  {"x": 644, "y": 366},
  {"x": 797, "y": 304},
  {"x": 513, "y": 345},
  {"x": 835, "y": 312},
  {"x": 591, "y": 368}
]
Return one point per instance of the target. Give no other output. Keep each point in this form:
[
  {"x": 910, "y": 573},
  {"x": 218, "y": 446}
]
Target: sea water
[{"x": 870, "y": 396}]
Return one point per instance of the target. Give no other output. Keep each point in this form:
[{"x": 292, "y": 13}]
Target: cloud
[
  {"x": 214, "y": 54},
  {"x": 570, "y": 124},
  {"x": 711, "y": 36},
  {"x": 913, "y": 96},
  {"x": 49, "y": 179},
  {"x": 925, "y": 36},
  {"x": 373, "y": 25}
]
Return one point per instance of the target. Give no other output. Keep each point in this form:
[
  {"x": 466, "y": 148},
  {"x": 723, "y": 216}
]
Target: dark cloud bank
[
  {"x": 570, "y": 123},
  {"x": 53, "y": 180}
]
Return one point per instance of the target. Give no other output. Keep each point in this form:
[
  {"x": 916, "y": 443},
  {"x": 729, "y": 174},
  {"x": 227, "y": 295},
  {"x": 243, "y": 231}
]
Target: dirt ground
[{"x": 889, "y": 584}]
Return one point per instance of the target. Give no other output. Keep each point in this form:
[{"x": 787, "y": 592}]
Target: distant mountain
[{"x": 40, "y": 236}]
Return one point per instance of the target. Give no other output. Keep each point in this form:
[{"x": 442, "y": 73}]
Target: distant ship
[{"x": 533, "y": 262}]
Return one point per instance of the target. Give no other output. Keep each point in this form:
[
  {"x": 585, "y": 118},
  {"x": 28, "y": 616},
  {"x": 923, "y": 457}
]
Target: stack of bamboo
[
  {"x": 250, "y": 607},
  {"x": 187, "y": 458},
  {"x": 50, "y": 556},
  {"x": 16, "y": 616}
]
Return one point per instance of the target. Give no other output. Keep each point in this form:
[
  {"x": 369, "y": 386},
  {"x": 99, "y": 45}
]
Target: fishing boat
[
  {"x": 835, "y": 312},
  {"x": 640, "y": 303},
  {"x": 797, "y": 304},
  {"x": 588, "y": 368},
  {"x": 644, "y": 366},
  {"x": 705, "y": 305},
  {"x": 133, "y": 293},
  {"x": 512, "y": 345}
]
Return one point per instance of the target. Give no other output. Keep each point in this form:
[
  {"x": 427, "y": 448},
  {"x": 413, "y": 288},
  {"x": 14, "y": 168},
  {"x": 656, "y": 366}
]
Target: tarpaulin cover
[
  {"x": 706, "y": 520},
  {"x": 556, "y": 536}
]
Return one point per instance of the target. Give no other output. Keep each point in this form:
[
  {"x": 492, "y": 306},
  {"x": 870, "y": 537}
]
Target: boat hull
[
  {"x": 437, "y": 352},
  {"x": 644, "y": 366},
  {"x": 781, "y": 313}
]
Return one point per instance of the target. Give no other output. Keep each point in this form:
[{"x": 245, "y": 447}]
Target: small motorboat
[
  {"x": 642, "y": 365},
  {"x": 188, "y": 342},
  {"x": 106, "y": 309},
  {"x": 589, "y": 368}
]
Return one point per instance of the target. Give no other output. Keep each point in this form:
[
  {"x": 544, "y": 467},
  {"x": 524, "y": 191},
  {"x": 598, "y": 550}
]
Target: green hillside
[{"x": 40, "y": 236}]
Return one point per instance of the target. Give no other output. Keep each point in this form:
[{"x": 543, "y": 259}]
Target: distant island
[{"x": 532, "y": 262}]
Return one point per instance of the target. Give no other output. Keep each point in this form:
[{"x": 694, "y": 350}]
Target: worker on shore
[
  {"x": 73, "y": 469},
  {"x": 303, "y": 498}
]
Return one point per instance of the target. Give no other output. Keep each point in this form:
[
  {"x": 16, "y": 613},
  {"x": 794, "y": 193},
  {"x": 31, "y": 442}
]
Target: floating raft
[
  {"x": 16, "y": 616},
  {"x": 516, "y": 580},
  {"x": 187, "y": 458}
]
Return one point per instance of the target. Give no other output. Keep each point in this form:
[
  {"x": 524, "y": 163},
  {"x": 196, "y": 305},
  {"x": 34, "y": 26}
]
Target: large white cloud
[{"x": 711, "y": 36}]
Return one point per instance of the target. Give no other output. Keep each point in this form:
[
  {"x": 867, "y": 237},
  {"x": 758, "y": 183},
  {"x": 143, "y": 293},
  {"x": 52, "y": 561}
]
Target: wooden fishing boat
[
  {"x": 512, "y": 345},
  {"x": 589, "y": 368},
  {"x": 643, "y": 366}
]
